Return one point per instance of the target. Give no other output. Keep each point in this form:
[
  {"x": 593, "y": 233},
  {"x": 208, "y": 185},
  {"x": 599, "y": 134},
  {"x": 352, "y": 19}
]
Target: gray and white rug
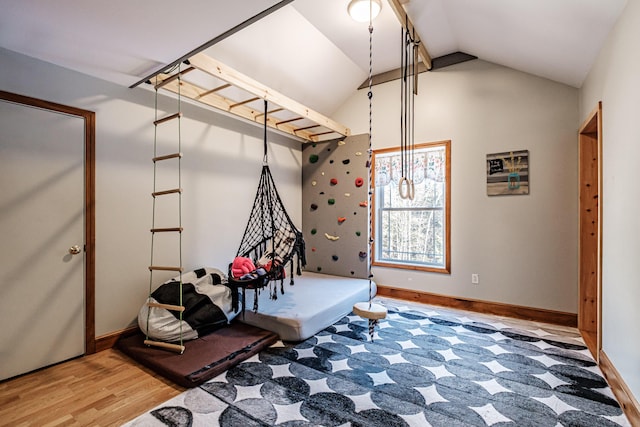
[{"x": 423, "y": 368}]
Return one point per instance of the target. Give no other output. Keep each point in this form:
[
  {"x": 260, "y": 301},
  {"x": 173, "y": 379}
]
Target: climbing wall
[{"x": 335, "y": 206}]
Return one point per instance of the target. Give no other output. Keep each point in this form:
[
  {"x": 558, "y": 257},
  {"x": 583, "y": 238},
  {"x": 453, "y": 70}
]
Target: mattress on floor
[
  {"x": 204, "y": 357},
  {"x": 313, "y": 303}
]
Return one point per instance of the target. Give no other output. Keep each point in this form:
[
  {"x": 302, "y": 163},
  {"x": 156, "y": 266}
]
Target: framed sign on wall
[{"x": 508, "y": 173}]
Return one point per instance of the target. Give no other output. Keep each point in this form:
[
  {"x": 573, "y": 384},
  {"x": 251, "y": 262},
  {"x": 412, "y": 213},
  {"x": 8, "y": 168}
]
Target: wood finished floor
[
  {"x": 102, "y": 389},
  {"x": 108, "y": 388}
]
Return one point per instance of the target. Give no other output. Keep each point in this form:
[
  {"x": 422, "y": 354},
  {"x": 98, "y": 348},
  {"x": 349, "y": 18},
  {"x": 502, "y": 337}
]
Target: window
[{"x": 413, "y": 234}]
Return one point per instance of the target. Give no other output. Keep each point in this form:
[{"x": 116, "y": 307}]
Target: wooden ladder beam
[
  {"x": 219, "y": 102},
  {"x": 217, "y": 69},
  {"x": 405, "y": 21}
]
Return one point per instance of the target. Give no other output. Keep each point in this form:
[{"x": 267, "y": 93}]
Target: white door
[{"x": 41, "y": 218}]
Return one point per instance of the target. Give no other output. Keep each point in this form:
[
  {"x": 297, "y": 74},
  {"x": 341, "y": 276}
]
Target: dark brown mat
[{"x": 203, "y": 358}]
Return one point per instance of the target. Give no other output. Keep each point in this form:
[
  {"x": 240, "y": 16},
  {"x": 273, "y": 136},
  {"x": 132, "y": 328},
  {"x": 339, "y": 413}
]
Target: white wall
[
  {"x": 523, "y": 247},
  {"x": 221, "y": 168},
  {"x": 615, "y": 80}
]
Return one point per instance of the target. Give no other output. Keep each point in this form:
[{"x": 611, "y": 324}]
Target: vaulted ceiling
[{"x": 309, "y": 50}]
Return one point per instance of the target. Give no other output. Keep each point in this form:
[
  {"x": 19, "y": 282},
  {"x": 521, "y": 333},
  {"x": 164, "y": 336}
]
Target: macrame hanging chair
[{"x": 271, "y": 240}]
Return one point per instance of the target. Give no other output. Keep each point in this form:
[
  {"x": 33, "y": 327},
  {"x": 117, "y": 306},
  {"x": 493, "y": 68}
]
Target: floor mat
[{"x": 203, "y": 358}]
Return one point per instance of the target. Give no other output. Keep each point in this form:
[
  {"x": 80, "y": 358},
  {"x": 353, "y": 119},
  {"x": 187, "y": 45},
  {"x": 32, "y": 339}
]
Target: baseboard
[
  {"x": 108, "y": 341},
  {"x": 499, "y": 309},
  {"x": 622, "y": 392}
]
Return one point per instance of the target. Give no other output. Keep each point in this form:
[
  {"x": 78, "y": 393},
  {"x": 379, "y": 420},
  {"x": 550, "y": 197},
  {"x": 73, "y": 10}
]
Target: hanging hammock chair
[{"x": 270, "y": 240}]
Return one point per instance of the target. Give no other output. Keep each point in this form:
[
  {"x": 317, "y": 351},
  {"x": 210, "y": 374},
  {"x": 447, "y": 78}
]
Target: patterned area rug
[{"x": 423, "y": 368}]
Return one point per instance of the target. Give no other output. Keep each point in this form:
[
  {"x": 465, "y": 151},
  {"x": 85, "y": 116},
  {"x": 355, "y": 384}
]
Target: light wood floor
[
  {"x": 109, "y": 389},
  {"x": 102, "y": 389}
]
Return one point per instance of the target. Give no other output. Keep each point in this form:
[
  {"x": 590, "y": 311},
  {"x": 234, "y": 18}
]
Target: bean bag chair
[{"x": 209, "y": 305}]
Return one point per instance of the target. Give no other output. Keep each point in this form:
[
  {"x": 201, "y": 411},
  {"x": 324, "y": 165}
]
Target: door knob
[{"x": 74, "y": 250}]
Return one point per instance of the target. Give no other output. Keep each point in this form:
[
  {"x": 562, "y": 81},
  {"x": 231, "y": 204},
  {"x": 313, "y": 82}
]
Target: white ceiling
[{"x": 309, "y": 50}]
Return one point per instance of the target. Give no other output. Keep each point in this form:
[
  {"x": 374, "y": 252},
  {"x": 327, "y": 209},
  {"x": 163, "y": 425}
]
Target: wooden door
[
  {"x": 590, "y": 235},
  {"x": 43, "y": 228}
]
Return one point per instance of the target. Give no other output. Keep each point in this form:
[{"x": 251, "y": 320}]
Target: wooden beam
[
  {"x": 405, "y": 21},
  {"x": 217, "y": 101},
  {"x": 219, "y": 70}
]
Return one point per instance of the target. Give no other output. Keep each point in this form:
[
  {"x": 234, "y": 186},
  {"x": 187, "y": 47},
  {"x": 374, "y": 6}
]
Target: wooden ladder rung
[
  {"x": 246, "y": 101},
  {"x": 275, "y": 110},
  {"x": 167, "y": 230},
  {"x": 173, "y": 77},
  {"x": 322, "y": 133},
  {"x": 306, "y": 128},
  {"x": 167, "y": 157},
  {"x": 214, "y": 90},
  {"x": 295, "y": 119},
  {"x": 175, "y": 347},
  {"x": 162, "y": 193},
  {"x": 166, "y": 119},
  {"x": 164, "y": 268},
  {"x": 167, "y": 306}
]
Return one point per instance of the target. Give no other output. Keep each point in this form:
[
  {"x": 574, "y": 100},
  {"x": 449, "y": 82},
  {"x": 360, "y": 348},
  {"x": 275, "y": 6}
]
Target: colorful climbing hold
[
  {"x": 330, "y": 161},
  {"x": 358, "y": 153},
  {"x": 334, "y": 257},
  {"x": 332, "y": 201},
  {"x": 319, "y": 268},
  {"x": 330, "y": 237},
  {"x": 362, "y": 254},
  {"x": 347, "y": 194},
  {"x": 341, "y": 219},
  {"x": 358, "y": 233},
  {"x": 313, "y": 158},
  {"x": 314, "y": 206},
  {"x": 314, "y": 183},
  {"x": 333, "y": 181},
  {"x": 363, "y": 204},
  {"x": 341, "y": 142},
  {"x": 359, "y": 182},
  {"x": 313, "y": 249},
  {"x": 346, "y": 161},
  {"x": 314, "y": 231}
]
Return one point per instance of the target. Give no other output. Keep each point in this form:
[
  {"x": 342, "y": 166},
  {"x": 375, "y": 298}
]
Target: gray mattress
[{"x": 315, "y": 302}]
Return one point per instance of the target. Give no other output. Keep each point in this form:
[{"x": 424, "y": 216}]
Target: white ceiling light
[{"x": 359, "y": 9}]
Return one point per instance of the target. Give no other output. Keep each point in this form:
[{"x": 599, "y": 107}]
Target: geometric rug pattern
[{"x": 423, "y": 368}]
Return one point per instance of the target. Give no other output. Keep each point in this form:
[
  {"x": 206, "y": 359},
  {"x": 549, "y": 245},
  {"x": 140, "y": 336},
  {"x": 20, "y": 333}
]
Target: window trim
[{"x": 447, "y": 211}]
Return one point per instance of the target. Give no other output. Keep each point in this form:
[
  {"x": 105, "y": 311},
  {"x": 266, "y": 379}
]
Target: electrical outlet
[{"x": 475, "y": 278}]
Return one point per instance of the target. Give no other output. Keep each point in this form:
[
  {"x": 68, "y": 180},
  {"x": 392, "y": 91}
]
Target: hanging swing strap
[{"x": 265, "y": 158}]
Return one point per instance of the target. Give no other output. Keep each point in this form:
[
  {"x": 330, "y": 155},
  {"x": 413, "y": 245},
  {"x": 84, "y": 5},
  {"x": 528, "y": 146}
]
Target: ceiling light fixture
[{"x": 359, "y": 9}]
